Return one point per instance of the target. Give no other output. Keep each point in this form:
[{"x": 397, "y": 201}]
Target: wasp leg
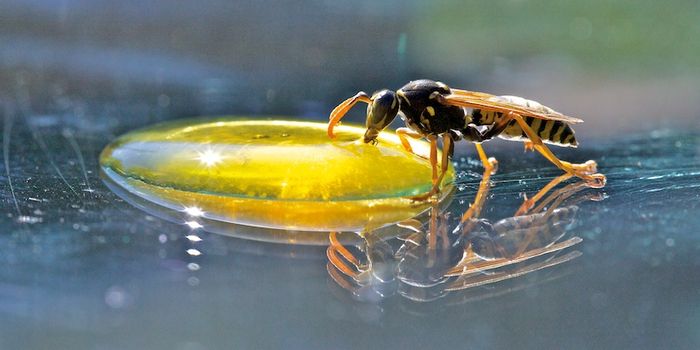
[
  {"x": 585, "y": 171},
  {"x": 447, "y": 144},
  {"x": 528, "y": 203},
  {"x": 490, "y": 164},
  {"x": 433, "y": 163},
  {"x": 477, "y": 137},
  {"x": 475, "y": 281},
  {"x": 402, "y": 133},
  {"x": 340, "y": 110},
  {"x": 529, "y": 146},
  {"x": 579, "y": 170}
]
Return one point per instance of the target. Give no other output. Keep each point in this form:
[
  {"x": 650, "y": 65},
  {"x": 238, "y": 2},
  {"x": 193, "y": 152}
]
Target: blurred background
[
  {"x": 81, "y": 268},
  {"x": 622, "y": 65}
]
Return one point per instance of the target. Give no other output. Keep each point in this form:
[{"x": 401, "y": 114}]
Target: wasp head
[{"x": 380, "y": 113}]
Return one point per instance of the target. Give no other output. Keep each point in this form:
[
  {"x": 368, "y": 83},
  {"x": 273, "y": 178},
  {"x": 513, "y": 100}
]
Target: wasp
[{"x": 431, "y": 109}]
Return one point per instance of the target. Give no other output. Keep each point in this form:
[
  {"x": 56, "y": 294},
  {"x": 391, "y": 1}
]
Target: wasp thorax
[{"x": 380, "y": 113}]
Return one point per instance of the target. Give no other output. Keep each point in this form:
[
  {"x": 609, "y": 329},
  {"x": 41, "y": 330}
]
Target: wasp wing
[{"x": 505, "y": 104}]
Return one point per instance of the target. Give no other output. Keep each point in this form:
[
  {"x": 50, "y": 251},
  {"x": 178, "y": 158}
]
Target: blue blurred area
[{"x": 622, "y": 63}]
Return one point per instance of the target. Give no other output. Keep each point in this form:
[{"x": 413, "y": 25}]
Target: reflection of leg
[
  {"x": 581, "y": 170},
  {"x": 402, "y": 133},
  {"x": 432, "y": 233},
  {"x": 535, "y": 230},
  {"x": 339, "y": 279},
  {"x": 334, "y": 253},
  {"x": 480, "y": 280},
  {"x": 557, "y": 197},
  {"x": 469, "y": 268},
  {"x": 562, "y": 194},
  {"x": 530, "y": 202},
  {"x": 475, "y": 209}
]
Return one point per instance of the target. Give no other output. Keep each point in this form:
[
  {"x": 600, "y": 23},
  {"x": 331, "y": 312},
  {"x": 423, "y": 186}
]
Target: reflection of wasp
[
  {"x": 430, "y": 263},
  {"x": 431, "y": 109}
]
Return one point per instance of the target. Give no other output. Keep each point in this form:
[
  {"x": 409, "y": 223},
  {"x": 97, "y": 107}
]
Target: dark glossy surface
[
  {"x": 85, "y": 268},
  {"x": 81, "y": 268}
]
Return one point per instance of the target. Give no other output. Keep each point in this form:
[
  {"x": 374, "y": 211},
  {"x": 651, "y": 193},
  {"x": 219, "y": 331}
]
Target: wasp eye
[{"x": 380, "y": 113}]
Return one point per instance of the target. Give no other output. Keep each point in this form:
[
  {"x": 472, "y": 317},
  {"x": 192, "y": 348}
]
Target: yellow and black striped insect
[{"x": 431, "y": 109}]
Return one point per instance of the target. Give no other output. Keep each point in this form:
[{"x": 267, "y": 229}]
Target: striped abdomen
[
  {"x": 506, "y": 237},
  {"x": 551, "y": 131}
]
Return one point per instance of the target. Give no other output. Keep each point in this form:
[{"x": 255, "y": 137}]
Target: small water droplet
[
  {"x": 116, "y": 297},
  {"x": 193, "y": 281}
]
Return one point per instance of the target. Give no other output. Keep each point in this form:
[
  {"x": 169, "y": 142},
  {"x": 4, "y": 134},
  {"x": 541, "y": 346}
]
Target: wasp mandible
[{"x": 431, "y": 109}]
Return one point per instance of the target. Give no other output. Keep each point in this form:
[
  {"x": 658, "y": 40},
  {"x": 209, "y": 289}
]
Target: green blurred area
[{"x": 644, "y": 38}]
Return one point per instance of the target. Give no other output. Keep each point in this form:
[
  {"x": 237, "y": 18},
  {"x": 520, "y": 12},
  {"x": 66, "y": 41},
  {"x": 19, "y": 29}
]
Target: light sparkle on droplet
[
  {"x": 209, "y": 157},
  {"x": 193, "y": 211}
]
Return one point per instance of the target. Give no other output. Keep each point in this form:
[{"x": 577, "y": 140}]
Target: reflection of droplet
[
  {"x": 163, "y": 100},
  {"x": 599, "y": 300},
  {"x": 25, "y": 219},
  {"x": 193, "y": 225},
  {"x": 194, "y": 252},
  {"x": 116, "y": 297},
  {"x": 193, "y": 281},
  {"x": 193, "y": 266},
  {"x": 193, "y": 238}
]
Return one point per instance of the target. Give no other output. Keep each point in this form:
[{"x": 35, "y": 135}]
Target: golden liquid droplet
[{"x": 279, "y": 174}]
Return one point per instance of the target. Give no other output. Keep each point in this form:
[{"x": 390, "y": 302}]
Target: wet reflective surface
[
  {"x": 81, "y": 261},
  {"x": 82, "y": 266}
]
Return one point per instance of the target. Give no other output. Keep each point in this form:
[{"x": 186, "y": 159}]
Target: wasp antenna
[{"x": 340, "y": 110}]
